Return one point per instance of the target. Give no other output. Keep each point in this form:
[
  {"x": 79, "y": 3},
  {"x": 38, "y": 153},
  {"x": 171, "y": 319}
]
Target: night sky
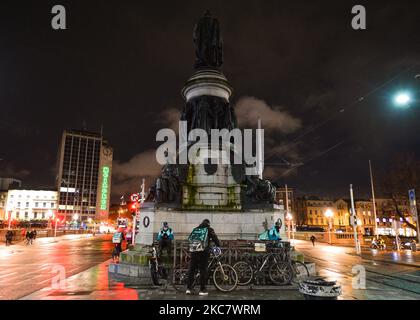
[{"x": 297, "y": 64}]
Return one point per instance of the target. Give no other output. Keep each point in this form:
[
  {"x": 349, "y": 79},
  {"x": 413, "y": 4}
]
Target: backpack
[
  {"x": 116, "y": 238},
  {"x": 199, "y": 239},
  {"x": 263, "y": 235}
]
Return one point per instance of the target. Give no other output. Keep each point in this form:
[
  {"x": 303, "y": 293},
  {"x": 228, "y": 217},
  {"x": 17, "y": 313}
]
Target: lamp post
[
  {"x": 289, "y": 218},
  {"x": 329, "y": 214}
]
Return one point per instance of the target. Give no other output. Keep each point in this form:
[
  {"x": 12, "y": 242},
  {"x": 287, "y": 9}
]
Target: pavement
[
  {"x": 28, "y": 268},
  {"x": 386, "y": 275},
  {"x": 33, "y": 273}
]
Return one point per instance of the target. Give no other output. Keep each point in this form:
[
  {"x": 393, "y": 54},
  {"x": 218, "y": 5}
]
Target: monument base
[{"x": 234, "y": 225}]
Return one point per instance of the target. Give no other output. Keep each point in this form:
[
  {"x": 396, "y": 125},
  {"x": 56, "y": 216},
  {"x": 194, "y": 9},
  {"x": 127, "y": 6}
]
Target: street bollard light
[{"x": 329, "y": 214}]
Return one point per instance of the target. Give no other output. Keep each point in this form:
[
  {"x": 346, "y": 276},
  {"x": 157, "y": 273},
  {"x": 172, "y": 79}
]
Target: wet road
[
  {"x": 26, "y": 273},
  {"x": 388, "y": 275},
  {"x": 26, "y": 269}
]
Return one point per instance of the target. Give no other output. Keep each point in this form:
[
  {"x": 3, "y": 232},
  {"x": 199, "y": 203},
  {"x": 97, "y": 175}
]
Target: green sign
[{"x": 104, "y": 190}]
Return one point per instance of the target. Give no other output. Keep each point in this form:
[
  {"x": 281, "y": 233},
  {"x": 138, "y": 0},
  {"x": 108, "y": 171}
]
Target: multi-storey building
[
  {"x": 84, "y": 176},
  {"x": 31, "y": 204},
  {"x": 365, "y": 216},
  {"x": 388, "y": 219},
  {"x": 3, "y": 198},
  {"x": 281, "y": 198}
]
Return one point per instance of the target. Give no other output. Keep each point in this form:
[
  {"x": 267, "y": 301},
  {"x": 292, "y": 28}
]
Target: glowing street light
[
  {"x": 402, "y": 99},
  {"x": 329, "y": 214}
]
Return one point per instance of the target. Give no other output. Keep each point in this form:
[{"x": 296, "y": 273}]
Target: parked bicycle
[
  {"x": 222, "y": 275},
  {"x": 275, "y": 265},
  {"x": 157, "y": 270},
  {"x": 268, "y": 265}
]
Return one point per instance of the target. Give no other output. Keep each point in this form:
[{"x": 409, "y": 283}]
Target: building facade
[
  {"x": 84, "y": 176},
  {"x": 311, "y": 212},
  {"x": 3, "y": 198},
  {"x": 31, "y": 204},
  {"x": 388, "y": 220},
  {"x": 281, "y": 198}
]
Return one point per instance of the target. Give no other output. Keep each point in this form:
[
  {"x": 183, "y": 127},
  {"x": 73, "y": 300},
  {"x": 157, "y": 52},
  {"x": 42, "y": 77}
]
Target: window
[
  {"x": 43, "y": 215},
  {"x": 27, "y": 205},
  {"x": 52, "y": 204},
  {"x": 44, "y": 204},
  {"x": 36, "y": 204},
  {"x": 18, "y": 204},
  {"x": 26, "y": 215},
  {"x": 35, "y": 215},
  {"x": 17, "y": 215}
]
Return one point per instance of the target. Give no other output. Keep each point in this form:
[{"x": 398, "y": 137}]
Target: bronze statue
[{"x": 208, "y": 42}]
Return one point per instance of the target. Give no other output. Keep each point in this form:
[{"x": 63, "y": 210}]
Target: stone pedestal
[
  {"x": 228, "y": 225},
  {"x": 213, "y": 188}
]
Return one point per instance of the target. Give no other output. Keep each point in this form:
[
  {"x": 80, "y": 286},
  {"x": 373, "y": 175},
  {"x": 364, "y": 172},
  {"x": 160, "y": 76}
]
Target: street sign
[
  {"x": 135, "y": 197},
  {"x": 413, "y": 207}
]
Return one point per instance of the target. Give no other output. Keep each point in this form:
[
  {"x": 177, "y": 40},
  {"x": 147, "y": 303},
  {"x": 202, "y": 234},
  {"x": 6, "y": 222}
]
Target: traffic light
[{"x": 133, "y": 207}]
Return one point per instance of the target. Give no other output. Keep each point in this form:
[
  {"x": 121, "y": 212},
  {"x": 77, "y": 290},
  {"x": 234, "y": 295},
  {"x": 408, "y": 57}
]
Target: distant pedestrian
[
  {"x": 9, "y": 237},
  {"x": 34, "y": 234},
  {"x": 313, "y": 239},
  {"x": 117, "y": 240}
]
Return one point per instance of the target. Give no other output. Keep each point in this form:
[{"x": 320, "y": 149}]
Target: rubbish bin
[{"x": 319, "y": 289}]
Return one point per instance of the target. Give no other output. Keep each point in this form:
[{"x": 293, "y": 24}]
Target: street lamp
[
  {"x": 329, "y": 214},
  {"x": 402, "y": 99},
  {"x": 289, "y": 218}
]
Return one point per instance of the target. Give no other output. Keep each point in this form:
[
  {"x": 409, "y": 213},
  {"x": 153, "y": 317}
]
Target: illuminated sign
[{"x": 104, "y": 190}]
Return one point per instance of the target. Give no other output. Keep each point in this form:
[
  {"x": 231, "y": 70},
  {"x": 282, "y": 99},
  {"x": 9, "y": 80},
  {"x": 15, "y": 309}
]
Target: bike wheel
[
  {"x": 281, "y": 273},
  {"x": 244, "y": 271},
  {"x": 225, "y": 278},
  {"x": 179, "y": 279},
  {"x": 300, "y": 272}
]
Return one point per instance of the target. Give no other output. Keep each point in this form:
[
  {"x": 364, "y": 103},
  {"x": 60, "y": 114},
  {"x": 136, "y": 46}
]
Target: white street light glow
[
  {"x": 329, "y": 213},
  {"x": 402, "y": 98}
]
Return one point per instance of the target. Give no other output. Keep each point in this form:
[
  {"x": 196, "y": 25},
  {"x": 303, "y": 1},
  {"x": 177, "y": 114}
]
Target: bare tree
[{"x": 403, "y": 174}]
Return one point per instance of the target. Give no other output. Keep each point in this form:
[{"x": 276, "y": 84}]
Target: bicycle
[
  {"x": 157, "y": 270},
  {"x": 300, "y": 271},
  {"x": 279, "y": 272},
  {"x": 223, "y": 275}
]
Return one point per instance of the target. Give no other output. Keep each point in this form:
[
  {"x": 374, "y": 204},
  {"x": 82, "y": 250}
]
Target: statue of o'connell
[{"x": 208, "y": 42}]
